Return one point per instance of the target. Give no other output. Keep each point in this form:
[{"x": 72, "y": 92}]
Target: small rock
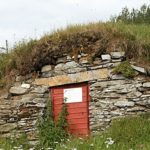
[
  {"x": 47, "y": 74},
  {"x": 106, "y": 57},
  {"x": 124, "y": 104},
  {"x": 117, "y": 77},
  {"x": 26, "y": 86},
  {"x": 135, "y": 109},
  {"x": 46, "y": 68},
  {"x": 83, "y": 54},
  {"x": 139, "y": 69},
  {"x": 61, "y": 60},
  {"x": 117, "y": 55},
  {"x": 116, "y": 60},
  {"x": 69, "y": 58},
  {"x": 134, "y": 94},
  {"x": 146, "y": 84},
  {"x": 19, "y": 78}
]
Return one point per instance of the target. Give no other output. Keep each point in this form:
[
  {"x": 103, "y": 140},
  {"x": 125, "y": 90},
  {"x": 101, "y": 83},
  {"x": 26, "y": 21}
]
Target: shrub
[
  {"x": 51, "y": 133},
  {"x": 125, "y": 69}
]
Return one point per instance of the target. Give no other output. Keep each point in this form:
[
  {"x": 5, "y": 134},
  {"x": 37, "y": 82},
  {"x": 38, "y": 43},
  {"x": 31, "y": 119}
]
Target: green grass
[
  {"x": 129, "y": 133},
  {"x": 14, "y": 143}
]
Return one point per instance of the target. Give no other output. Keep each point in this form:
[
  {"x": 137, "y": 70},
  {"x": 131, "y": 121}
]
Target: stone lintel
[{"x": 73, "y": 78}]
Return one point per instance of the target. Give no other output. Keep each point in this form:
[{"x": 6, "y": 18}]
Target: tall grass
[
  {"x": 27, "y": 55},
  {"x": 131, "y": 133}
]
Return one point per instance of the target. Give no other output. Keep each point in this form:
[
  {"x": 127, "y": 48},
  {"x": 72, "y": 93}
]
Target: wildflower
[
  {"x": 68, "y": 140},
  {"x": 109, "y": 142},
  {"x": 92, "y": 144},
  {"x": 74, "y": 149},
  {"x": 56, "y": 142}
]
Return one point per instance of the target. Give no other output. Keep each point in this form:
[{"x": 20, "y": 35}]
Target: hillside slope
[{"x": 94, "y": 39}]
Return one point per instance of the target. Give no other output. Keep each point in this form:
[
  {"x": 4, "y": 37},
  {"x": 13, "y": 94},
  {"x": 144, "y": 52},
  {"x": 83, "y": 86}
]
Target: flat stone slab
[
  {"x": 124, "y": 104},
  {"x": 146, "y": 84},
  {"x": 106, "y": 57},
  {"x": 139, "y": 69},
  {"x": 73, "y": 78},
  {"x": 18, "y": 90}
]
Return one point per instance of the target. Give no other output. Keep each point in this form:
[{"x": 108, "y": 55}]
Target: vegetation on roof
[{"x": 93, "y": 38}]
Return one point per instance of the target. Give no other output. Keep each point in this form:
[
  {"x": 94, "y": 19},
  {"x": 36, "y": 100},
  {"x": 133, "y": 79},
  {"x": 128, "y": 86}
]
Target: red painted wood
[{"x": 78, "y": 112}]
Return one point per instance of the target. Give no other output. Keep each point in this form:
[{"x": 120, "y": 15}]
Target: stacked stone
[
  {"x": 112, "y": 96},
  {"x": 21, "y": 108},
  {"x": 112, "y": 99}
]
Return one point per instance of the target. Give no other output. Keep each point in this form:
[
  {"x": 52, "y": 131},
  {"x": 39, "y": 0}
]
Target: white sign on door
[{"x": 72, "y": 95}]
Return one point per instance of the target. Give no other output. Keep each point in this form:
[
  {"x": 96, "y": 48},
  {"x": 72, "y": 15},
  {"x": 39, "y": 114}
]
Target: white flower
[
  {"x": 109, "y": 142},
  {"x": 56, "y": 142},
  {"x": 74, "y": 149},
  {"x": 92, "y": 144}
]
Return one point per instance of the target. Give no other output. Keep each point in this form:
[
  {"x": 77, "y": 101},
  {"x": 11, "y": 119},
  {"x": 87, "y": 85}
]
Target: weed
[
  {"x": 125, "y": 69},
  {"x": 51, "y": 133}
]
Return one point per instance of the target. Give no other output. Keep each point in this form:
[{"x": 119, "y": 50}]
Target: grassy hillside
[{"x": 92, "y": 38}]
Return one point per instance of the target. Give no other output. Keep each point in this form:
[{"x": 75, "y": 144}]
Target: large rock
[
  {"x": 101, "y": 74},
  {"x": 18, "y": 90},
  {"x": 124, "y": 104},
  {"x": 117, "y": 55},
  {"x": 68, "y": 65}
]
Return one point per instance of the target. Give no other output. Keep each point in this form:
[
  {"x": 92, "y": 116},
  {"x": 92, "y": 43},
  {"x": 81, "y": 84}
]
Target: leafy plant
[
  {"x": 125, "y": 69},
  {"x": 50, "y": 132}
]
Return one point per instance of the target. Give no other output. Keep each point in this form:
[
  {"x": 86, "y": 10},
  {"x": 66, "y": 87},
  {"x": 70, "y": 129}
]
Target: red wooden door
[{"x": 76, "y": 97}]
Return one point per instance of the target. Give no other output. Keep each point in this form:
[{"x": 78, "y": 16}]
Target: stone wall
[
  {"x": 117, "y": 98},
  {"x": 112, "y": 95}
]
